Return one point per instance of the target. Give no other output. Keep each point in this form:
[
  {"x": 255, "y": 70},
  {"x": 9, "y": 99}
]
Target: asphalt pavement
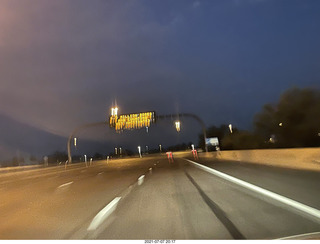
[{"x": 150, "y": 198}]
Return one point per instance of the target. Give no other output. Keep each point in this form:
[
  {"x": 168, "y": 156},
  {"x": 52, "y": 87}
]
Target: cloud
[{"x": 62, "y": 64}]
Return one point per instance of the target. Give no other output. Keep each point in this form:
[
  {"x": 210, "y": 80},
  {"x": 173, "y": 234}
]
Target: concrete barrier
[
  {"x": 19, "y": 168},
  {"x": 297, "y": 158}
]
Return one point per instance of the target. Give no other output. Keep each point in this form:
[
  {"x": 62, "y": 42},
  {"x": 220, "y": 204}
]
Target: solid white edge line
[
  {"x": 103, "y": 214},
  {"x": 297, "y": 205},
  {"x": 66, "y": 184},
  {"x": 297, "y": 237}
]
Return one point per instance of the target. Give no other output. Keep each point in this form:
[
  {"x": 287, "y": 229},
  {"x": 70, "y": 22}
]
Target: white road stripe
[
  {"x": 100, "y": 173},
  {"x": 103, "y": 214},
  {"x": 140, "y": 180},
  {"x": 315, "y": 213},
  {"x": 306, "y": 236},
  {"x": 66, "y": 184}
]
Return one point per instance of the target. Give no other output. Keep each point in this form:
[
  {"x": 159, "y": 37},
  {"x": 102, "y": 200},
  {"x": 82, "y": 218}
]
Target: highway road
[{"x": 150, "y": 198}]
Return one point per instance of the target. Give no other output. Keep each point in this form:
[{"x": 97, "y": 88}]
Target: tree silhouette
[{"x": 294, "y": 121}]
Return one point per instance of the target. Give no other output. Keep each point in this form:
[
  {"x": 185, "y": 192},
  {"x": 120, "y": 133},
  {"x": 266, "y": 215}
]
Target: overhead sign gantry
[{"x": 134, "y": 121}]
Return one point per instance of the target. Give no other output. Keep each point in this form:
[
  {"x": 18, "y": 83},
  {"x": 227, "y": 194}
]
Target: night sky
[{"x": 64, "y": 63}]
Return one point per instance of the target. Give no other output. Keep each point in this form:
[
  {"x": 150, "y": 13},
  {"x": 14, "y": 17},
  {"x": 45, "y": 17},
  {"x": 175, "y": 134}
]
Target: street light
[
  {"x": 230, "y": 128},
  {"x": 114, "y": 111},
  {"x": 178, "y": 126},
  {"x": 75, "y": 142},
  {"x": 85, "y": 160}
]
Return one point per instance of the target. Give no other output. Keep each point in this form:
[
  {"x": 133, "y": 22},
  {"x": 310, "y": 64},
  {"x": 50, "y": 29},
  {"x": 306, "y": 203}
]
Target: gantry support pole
[
  {"x": 197, "y": 118},
  {"x": 76, "y": 131}
]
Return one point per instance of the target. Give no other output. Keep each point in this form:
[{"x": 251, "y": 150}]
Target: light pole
[
  {"x": 139, "y": 149},
  {"x": 160, "y": 148}
]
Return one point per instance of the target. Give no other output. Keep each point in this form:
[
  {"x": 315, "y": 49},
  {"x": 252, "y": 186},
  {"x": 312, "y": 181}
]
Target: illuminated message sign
[{"x": 132, "y": 121}]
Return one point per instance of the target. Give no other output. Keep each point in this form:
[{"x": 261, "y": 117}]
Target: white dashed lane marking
[
  {"x": 104, "y": 214},
  {"x": 66, "y": 184}
]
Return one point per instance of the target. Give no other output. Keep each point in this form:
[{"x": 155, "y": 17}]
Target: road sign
[
  {"x": 212, "y": 141},
  {"x": 132, "y": 121}
]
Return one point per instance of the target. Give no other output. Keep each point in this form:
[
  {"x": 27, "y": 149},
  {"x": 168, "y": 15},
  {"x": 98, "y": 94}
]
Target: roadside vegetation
[{"x": 294, "y": 121}]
